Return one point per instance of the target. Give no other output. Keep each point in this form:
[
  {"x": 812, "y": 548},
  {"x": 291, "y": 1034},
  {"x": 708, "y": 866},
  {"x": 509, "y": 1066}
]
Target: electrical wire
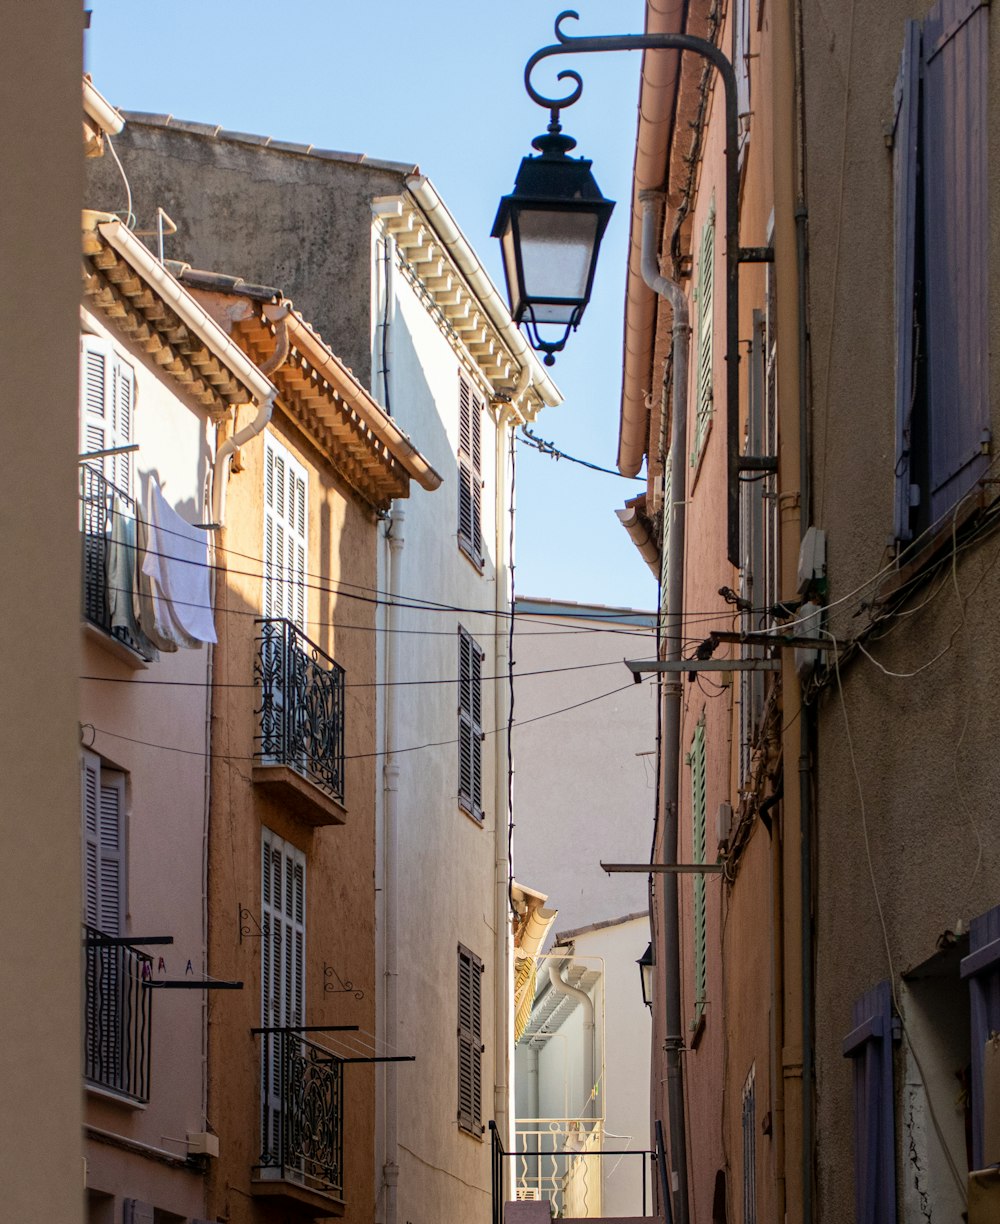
[
  {"x": 129, "y": 214},
  {"x": 527, "y": 438},
  {"x": 357, "y": 756}
]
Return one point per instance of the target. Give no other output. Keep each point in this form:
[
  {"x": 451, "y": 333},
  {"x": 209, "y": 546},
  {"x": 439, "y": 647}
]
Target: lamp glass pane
[
  {"x": 508, "y": 248},
  {"x": 557, "y": 249}
]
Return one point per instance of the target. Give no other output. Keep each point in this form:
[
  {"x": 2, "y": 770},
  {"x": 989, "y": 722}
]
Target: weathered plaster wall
[
  {"x": 586, "y": 778},
  {"x": 911, "y": 834},
  {"x": 40, "y": 1114},
  {"x": 340, "y": 859},
  {"x": 151, "y": 724},
  {"x": 445, "y": 858},
  {"x": 298, "y": 221}
]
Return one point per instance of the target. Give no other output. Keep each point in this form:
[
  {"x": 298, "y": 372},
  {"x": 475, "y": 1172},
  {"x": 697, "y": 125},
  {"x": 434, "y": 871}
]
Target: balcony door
[{"x": 283, "y": 958}]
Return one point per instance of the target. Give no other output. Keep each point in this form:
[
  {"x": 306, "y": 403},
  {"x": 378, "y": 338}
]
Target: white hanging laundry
[{"x": 177, "y": 561}]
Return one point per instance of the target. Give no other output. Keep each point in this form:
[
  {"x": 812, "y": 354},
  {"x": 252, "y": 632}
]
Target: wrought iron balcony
[
  {"x": 302, "y": 1101},
  {"x": 301, "y": 713},
  {"x": 117, "y": 1016},
  {"x": 107, "y": 531}
]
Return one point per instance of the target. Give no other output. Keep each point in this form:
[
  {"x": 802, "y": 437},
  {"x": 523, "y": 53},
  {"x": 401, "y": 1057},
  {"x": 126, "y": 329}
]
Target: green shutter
[
  {"x": 698, "y": 844},
  {"x": 704, "y": 299}
]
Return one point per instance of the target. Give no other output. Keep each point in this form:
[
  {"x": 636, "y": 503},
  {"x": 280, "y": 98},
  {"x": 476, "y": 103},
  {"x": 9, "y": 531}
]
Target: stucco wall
[
  {"x": 446, "y": 866},
  {"x": 910, "y": 835},
  {"x": 40, "y": 1112},
  {"x": 585, "y": 779},
  {"x": 152, "y": 724},
  {"x": 304, "y": 226},
  {"x": 339, "y": 859}
]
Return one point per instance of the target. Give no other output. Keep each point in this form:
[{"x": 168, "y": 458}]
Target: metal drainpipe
[
  {"x": 390, "y": 776},
  {"x": 672, "y": 691},
  {"x": 560, "y": 984}
]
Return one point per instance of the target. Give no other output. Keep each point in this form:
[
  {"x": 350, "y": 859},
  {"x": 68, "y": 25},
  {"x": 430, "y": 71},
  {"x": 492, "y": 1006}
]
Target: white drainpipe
[
  {"x": 390, "y": 851},
  {"x": 560, "y": 984}
]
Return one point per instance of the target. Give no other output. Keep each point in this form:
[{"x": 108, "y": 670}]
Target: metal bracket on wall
[
  {"x": 244, "y": 919},
  {"x": 330, "y": 975}
]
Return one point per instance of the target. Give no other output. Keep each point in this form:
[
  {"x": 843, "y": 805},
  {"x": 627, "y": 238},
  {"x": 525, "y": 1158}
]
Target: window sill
[
  {"x": 465, "y": 548},
  {"x": 477, "y": 818},
  {"x": 916, "y": 557},
  {"x": 100, "y": 1093},
  {"x": 128, "y": 656},
  {"x": 310, "y": 1202},
  {"x": 305, "y": 799}
]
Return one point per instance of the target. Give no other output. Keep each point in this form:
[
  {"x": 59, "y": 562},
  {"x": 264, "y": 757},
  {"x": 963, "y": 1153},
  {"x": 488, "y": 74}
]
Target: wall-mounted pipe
[
  {"x": 561, "y": 986},
  {"x": 674, "y": 516}
]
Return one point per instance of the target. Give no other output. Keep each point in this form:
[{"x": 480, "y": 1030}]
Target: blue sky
[{"x": 439, "y": 83}]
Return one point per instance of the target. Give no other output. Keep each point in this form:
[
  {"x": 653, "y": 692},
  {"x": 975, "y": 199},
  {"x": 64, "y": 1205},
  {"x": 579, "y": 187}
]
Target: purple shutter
[
  {"x": 956, "y": 220},
  {"x": 904, "y": 169},
  {"x": 869, "y": 1045},
  {"x": 982, "y": 969}
]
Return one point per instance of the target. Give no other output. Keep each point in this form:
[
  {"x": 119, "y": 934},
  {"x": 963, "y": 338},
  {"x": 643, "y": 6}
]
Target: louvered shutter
[
  {"x": 103, "y": 807},
  {"x": 699, "y": 838},
  {"x": 705, "y": 299},
  {"x": 981, "y": 968},
  {"x": 286, "y": 514},
  {"x": 283, "y": 947},
  {"x": 955, "y": 123},
  {"x": 470, "y": 1107},
  {"x": 470, "y": 724},
  {"x": 869, "y": 1045},
  {"x": 904, "y": 170},
  {"x": 470, "y": 463},
  {"x": 107, "y": 396}
]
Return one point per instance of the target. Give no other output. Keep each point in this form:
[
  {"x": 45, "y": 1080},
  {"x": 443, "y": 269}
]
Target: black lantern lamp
[
  {"x": 550, "y": 231},
  {"x": 646, "y": 963}
]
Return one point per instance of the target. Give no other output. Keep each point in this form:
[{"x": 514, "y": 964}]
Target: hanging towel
[
  {"x": 147, "y": 602},
  {"x": 177, "y": 561},
  {"x": 122, "y": 575}
]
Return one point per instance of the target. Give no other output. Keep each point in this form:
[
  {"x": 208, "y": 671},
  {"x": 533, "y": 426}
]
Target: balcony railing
[
  {"x": 117, "y": 1016},
  {"x": 302, "y": 1113},
  {"x": 107, "y": 532},
  {"x": 301, "y": 713}
]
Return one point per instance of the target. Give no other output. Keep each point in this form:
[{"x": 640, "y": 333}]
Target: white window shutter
[
  {"x": 95, "y": 364},
  {"x": 90, "y": 779},
  {"x": 112, "y": 861},
  {"x": 286, "y": 518}
]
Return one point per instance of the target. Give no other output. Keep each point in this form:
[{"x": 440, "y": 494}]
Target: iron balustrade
[
  {"x": 302, "y": 1113},
  {"x": 558, "y": 1160},
  {"x": 301, "y": 713},
  {"x": 117, "y": 1015},
  {"x": 109, "y": 553}
]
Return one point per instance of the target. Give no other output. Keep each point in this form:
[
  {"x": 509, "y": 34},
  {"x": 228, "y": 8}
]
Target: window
[
  {"x": 704, "y": 299},
  {"x": 107, "y": 397},
  {"x": 470, "y": 471},
  {"x": 750, "y": 1148},
  {"x": 758, "y": 527},
  {"x": 741, "y": 66},
  {"x": 470, "y": 725},
  {"x": 869, "y": 1046},
  {"x": 982, "y": 970},
  {"x": 941, "y": 233},
  {"x": 286, "y": 519},
  {"x": 696, "y": 761},
  {"x": 470, "y": 1039},
  {"x": 283, "y": 958},
  {"x": 104, "y": 846},
  {"x": 117, "y": 1006}
]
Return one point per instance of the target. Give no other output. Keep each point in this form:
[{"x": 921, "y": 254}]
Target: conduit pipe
[
  {"x": 561, "y": 986},
  {"x": 390, "y": 853},
  {"x": 507, "y": 417},
  {"x": 224, "y": 455},
  {"x": 672, "y": 689}
]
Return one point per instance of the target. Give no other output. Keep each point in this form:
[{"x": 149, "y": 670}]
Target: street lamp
[
  {"x": 550, "y": 230},
  {"x": 646, "y": 963}
]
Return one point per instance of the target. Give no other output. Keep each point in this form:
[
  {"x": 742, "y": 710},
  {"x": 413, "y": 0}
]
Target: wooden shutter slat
[{"x": 874, "y": 1119}]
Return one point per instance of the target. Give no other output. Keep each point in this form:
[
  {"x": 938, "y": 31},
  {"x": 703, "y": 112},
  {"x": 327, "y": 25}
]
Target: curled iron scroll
[{"x": 568, "y": 74}]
